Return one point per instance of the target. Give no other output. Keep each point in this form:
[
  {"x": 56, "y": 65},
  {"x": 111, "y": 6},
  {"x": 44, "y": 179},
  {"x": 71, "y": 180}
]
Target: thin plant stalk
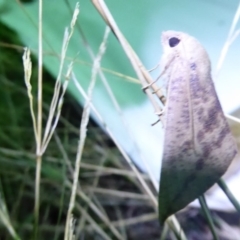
[
  {"x": 4, "y": 217},
  {"x": 97, "y": 211},
  {"x": 59, "y": 108},
  {"x": 176, "y": 228},
  {"x": 6, "y": 222},
  {"x": 57, "y": 101},
  {"x": 83, "y": 132},
  {"x": 125, "y": 155},
  {"x": 27, "y": 77},
  {"x": 208, "y": 216},
  {"x": 164, "y": 232},
  {"x": 39, "y": 122},
  {"x": 231, "y": 37},
  {"x": 117, "y": 107},
  {"x": 235, "y": 119},
  {"x": 93, "y": 223},
  {"x": 141, "y": 72},
  {"x": 229, "y": 194},
  {"x": 82, "y": 223}
]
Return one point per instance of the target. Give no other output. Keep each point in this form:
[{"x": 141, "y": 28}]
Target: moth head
[
  {"x": 179, "y": 45},
  {"x": 173, "y": 42}
]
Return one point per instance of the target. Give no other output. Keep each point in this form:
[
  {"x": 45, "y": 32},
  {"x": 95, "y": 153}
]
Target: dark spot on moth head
[{"x": 173, "y": 41}]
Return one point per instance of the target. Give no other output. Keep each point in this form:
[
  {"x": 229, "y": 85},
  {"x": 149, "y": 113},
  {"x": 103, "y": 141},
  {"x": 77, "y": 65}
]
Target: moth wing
[{"x": 198, "y": 144}]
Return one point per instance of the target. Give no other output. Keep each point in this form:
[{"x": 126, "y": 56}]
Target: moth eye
[{"x": 173, "y": 41}]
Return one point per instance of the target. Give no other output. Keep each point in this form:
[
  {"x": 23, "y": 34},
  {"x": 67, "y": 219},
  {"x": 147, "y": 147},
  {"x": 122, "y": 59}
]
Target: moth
[{"x": 198, "y": 145}]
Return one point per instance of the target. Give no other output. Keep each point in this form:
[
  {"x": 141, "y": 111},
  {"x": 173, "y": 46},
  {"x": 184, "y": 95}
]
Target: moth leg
[
  {"x": 153, "y": 124},
  {"x": 150, "y": 84},
  {"x": 159, "y": 114}
]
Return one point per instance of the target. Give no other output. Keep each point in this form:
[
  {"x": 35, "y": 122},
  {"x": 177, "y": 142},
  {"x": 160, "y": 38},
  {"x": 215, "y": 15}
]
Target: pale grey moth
[{"x": 198, "y": 145}]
